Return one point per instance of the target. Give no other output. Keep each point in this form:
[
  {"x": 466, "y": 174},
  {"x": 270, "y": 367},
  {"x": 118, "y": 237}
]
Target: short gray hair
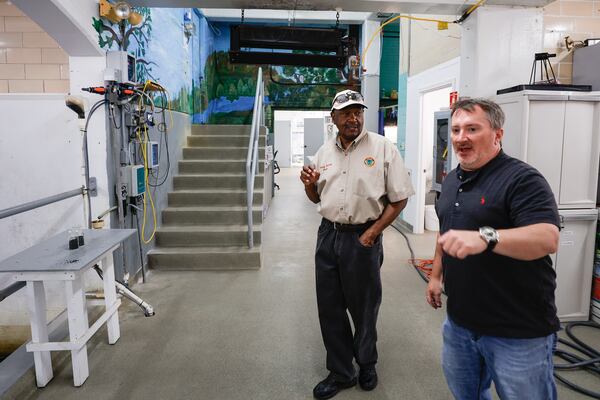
[{"x": 494, "y": 113}]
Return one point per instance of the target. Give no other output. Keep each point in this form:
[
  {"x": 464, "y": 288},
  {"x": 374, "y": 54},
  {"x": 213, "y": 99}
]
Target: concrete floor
[{"x": 255, "y": 334}]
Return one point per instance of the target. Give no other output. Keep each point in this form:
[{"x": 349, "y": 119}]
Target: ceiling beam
[{"x": 445, "y": 7}]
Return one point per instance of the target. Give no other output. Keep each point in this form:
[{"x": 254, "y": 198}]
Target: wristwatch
[{"x": 490, "y": 235}]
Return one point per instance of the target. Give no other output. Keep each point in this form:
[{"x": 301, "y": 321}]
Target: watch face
[{"x": 489, "y": 234}]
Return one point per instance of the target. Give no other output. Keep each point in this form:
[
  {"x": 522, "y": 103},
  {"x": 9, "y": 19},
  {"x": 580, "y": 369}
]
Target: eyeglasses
[{"x": 342, "y": 98}]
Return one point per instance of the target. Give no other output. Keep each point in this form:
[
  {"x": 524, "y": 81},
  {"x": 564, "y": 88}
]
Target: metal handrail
[
  {"x": 7, "y": 212},
  {"x": 252, "y": 157}
]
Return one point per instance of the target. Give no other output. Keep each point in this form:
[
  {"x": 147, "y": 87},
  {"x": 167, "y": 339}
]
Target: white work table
[{"x": 51, "y": 260}]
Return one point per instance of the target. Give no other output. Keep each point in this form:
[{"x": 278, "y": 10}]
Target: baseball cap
[{"x": 347, "y": 98}]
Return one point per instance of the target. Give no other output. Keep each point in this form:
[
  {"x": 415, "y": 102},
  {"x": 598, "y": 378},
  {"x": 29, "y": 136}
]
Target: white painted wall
[
  {"x": 86, "y": 72},
  {"x": 370, "y": 78},
  {"x": 429, "y": 46},
  {"x": 40, "y": 156},
  {"x": 283, "y": 143},
  {"x": 497, "y": 48},
  {"x": 437, "y": 77},
  {"x": 41, "y": 151}
]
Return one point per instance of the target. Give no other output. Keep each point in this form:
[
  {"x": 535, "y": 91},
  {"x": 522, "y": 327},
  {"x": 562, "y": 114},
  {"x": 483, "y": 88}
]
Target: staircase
[{"x": 205, "y": 224}]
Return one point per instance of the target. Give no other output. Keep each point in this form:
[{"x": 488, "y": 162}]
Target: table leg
[
  {"x": 36, "y": 302},
  {"x": 78, "y": 325},
  {"x": 110, "y": 297}
]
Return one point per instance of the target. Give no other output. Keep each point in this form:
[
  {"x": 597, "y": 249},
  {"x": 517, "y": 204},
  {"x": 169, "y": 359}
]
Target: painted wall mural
[
  {"x": 163, "y": 47},
  {"x": 227, "y": 90},
  {"x": 188, "y": 55}
]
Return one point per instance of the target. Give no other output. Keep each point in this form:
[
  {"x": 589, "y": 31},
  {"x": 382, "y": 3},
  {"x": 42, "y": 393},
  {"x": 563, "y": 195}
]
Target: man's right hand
[
  {"x": 309, "y": 176},
  {"x": 433, "y": 294}
]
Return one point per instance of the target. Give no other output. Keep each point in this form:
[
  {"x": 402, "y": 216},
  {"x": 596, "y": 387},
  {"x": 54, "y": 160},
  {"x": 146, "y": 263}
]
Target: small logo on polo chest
[{"x": 369, "y": 161}]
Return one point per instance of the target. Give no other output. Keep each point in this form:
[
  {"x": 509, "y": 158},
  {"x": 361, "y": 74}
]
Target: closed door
[{"x": 314, "y": 136}]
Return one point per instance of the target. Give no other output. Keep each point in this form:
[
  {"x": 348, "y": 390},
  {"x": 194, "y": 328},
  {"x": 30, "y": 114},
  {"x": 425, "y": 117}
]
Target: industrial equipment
[
  {"x": 442, "y": 148},
  {"x": 335, "y": 46},
  {"x": 152, "y": 154},
  {"x": 133, "y": 181},
  {"x": 120, "y": 67},
  {"x": 546, "y": 81}
]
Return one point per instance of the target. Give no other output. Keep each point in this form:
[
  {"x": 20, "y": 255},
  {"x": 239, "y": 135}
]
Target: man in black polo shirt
[{"x": 498, "y": 224}]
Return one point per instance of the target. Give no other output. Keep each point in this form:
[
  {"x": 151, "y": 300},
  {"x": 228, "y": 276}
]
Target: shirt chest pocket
[{"x": 369, "y": 181}]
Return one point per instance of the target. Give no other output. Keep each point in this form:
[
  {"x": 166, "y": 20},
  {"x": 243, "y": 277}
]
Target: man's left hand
[
  {"x": 460, "y": 244},
  {"x": 367, "y": 239}
]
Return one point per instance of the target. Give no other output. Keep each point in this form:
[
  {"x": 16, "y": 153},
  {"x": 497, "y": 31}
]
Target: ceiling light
[
  {"x": 118, "y": 12},
  {"x": 122, "y": 10}
]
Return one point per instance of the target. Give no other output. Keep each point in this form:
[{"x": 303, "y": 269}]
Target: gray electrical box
[
  {"x": 442, "y": 148},
  {"x": 586, "y": 70}
]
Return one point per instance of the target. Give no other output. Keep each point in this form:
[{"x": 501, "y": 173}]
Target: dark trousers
[{"x": 348, "y": 278}]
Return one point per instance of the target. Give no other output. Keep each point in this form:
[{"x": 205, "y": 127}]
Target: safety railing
[
  {"x": 252, "y": 157},
  {"x": 7, "y": 212}
]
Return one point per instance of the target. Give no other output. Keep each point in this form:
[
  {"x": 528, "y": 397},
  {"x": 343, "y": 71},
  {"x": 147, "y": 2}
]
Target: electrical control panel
[
  {"x": 442, "y": 148},
  {"x": 121, "y": 66},
  {"x": 152, "y": 149},
  {"x": 133, "y": 181}
]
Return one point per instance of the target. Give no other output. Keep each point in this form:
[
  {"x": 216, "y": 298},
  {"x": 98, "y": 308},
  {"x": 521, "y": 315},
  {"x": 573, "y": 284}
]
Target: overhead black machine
[{"x": 249, "y": 42}]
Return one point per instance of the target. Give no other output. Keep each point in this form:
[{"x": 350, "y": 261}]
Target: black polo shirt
[{"x": 489, "y": 293}]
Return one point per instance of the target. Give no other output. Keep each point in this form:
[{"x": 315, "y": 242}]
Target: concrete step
[
  {"x": 210, "y": 215},
  {"x": 223, "y": 140},
  {"x": 206, "y": 236},
  {"x": 219, "y": 153},
  {"x": 215, "y": 166},
  {"x": 198, "y": 129},
  {"x": 215, "y": 181},
  {"x": 206, "y": 258},
  {"x": 208, "y": 197}
]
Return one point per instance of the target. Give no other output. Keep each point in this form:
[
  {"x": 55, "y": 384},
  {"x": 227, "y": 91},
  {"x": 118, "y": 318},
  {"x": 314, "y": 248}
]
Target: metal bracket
[{"x": 93, "y": 188}]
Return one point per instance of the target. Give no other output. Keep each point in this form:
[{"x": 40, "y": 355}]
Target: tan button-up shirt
[{"x": 356, "y": 184}]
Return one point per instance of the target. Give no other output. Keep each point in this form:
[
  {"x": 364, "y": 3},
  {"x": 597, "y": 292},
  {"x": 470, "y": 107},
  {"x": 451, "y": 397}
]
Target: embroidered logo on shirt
[
  {"x": 369, "y": 161},
  {"x": 482, "y": 200},
  {"x": 325, "y": 166}
]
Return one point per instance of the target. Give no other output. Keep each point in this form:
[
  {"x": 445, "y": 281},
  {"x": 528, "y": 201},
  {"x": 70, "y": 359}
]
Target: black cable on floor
[{"x": 575, "y": 361}]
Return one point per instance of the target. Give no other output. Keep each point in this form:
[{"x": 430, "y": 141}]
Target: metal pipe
[
  {"x": 251, "y": 158},
  {"x": 7, "y": 212},
  {"x": 113, "y": 208},
  {"x": 10, "y": 289}
]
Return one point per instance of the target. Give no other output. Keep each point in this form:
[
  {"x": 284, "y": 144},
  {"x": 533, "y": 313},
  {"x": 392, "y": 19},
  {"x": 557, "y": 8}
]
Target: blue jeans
[{"x": 519, "y": 368}]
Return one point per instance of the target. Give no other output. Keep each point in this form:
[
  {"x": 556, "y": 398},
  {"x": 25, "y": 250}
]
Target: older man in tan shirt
[{"x": 361, "y": 186}]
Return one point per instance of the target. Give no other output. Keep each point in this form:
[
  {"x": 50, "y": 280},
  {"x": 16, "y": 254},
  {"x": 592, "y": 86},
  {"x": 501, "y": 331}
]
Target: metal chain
[{"x": 337, "y": 19}]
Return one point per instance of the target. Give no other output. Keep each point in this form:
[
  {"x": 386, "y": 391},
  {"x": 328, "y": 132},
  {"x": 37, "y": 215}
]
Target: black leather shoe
[
  {"x": 329, "y": 387},
  {"x": 367, "y": 378}
]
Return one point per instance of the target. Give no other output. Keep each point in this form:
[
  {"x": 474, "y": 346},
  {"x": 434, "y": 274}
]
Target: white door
[
  {"x": 283, "y": 143},
  {"x": 314, "y": 133}
]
